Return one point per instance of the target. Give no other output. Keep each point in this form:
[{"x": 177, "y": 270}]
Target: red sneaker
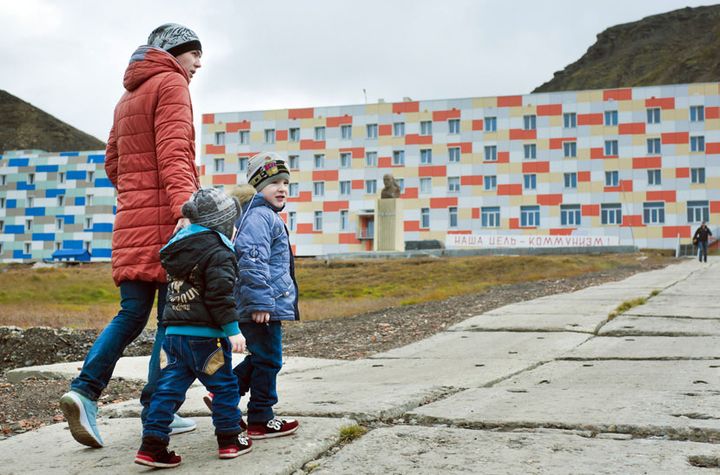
[
  {"x": 272, "y": 428},
  {"x": 241, "y": 445},
  {"x": 159, "y": 459},
  {"x": 208, "y": 399}
]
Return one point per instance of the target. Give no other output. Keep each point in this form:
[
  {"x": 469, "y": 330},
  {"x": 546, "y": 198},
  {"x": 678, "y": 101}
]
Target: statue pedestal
[{"x": 388, "y": 226}]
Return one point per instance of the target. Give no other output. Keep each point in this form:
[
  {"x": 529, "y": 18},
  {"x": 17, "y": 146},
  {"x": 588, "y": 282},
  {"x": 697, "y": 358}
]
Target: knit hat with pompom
[{"x": 213, "y": 209}]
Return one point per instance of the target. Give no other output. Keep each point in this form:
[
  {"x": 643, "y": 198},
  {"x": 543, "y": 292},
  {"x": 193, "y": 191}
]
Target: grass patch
[
  {"x": 351, "y": 432},
  {"x": 628, "y": 304},
  {"x": 85, "y": 296}
]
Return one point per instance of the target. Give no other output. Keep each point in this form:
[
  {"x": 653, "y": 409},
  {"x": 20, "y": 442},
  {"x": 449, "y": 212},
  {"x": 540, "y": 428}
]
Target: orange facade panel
[
  {"x": 634, "y": 128},
  {"x": 632, "y": 220},
  {"x": 561, "y": 231},
  {"x": 712, "y": 112},
  {"x": 225, "y": 179},
  {"x": 557, "y": 144},
  {"x": 348, "y": 238},
  {"x": 715, "y": 206},
  {"x": 536, "y": 167},
  {"x": 417, "y": 139},
  {"x": 509, "y": 101},
  {"x": 478, "y": 124},
  {"x": 435, "y": 170},
  {"x": 306, "y": 113},
  {"x": 441, "y": 116},
  {"x": 384, "y": 162},
  {"x": 682, "y": 172},
  {"x": 522, "y": 134},
  {"x": 549, "y": 110},
  {"x": 712, "y": 148},
  {"x": 325, "y": 175},
  {"x": 385, "y": 130},
  {"x": 590, "y": 210},
  {"x": 476, "y": 213},
  {"x": 443, "y": 202},
  {"x": 646, "y": 162},
  {"x": 211, "y": 149},
  {"x": 668, "y": 196},
  {"x": 305, "y": 228},
  {"x": 312, "y": 144},
  {"x": 302, "y": 197},
  {"x": 552, "y": 199},
  {"x": 675, "y": 138},
  {"x": 331, "y": 206},
  {"x": 675, "y": 231},
  {"x": 583, "y": 177},
  {"x": 358, "y": 185},
  {"x": 233, "y": 127},
  {"x": 617, "y": 94},
  {"x": 597, "y": 152},
  {"x": 503, "y": 157},
  {"x": 590, "y": 119},
  {"x": 357, "y": 152},
  {"x": 281, "y": 135},
  {"x": 465, "y": 147},
  {"x": 514, "y": 223},
  {"x": 403, "y": 107},
  {"x": 338, "y": 121},
  {"x": 471, "y": 180},
  {"x": 208, "y": 118},
  {"x": 509, "y": 190},
  {"x": 410, "y": 192},
  {"x": 661, "y": 102}
]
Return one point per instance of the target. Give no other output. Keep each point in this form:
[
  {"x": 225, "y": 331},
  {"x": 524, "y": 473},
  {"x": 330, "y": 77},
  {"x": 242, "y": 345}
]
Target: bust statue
[{"x": 391, "y": 189}]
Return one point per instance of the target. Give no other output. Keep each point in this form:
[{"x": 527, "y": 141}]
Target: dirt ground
[{"x": 32, "y": 404}]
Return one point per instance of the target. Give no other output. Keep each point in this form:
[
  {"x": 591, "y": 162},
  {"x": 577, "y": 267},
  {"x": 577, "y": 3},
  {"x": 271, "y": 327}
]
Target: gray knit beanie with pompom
[{"x": 213, "y": 209}]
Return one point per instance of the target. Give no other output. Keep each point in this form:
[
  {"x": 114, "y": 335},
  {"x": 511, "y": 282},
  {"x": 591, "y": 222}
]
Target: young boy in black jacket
[{"x": 201, "y": 328}]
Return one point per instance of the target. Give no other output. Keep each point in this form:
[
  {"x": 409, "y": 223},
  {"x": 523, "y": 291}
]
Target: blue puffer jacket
[{"x": 266, "y": 267}]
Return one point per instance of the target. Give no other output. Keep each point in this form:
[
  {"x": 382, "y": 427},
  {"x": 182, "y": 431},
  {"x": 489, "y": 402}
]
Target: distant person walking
[
  {"x": 150, "y": 160},
  {"x": 700, "y": 239}
]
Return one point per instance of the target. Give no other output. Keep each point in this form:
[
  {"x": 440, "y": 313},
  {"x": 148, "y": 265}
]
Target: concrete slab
[
  {"x": 455, "y": 345},
  {"x": 52, "y": 450},
  {"x": 632, "y": 325},
  {"x": 669, "y": 306},
  {"x": 678, "y": 415},
  {"x": 533, "y": 322},
  {"x": 135, "y": 368},
  {"x": 422, "y": 450},
  {"x": 682, "y": 376},
  {"x": 647, "y": 347}
]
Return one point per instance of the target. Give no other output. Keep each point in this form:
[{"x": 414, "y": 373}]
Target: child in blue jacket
[{"x": 265, "y": 293}]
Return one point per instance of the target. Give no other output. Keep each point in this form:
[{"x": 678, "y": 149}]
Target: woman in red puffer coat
[{"x": 150, "y": 159}]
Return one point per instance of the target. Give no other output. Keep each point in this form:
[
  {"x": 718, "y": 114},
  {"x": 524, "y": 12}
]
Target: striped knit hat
[
  {"x": 213, "y": 209},
  {"x": 265, "y": 168}
]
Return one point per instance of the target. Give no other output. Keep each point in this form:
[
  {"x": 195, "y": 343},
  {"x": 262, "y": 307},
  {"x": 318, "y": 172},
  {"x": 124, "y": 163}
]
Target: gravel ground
[{"x": 31, "y": 404}]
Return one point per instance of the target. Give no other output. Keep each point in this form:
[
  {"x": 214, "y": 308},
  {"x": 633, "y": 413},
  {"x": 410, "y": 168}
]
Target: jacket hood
[
  {"x": 188, "y": 247},
  {"x": 148, "y": 61}
]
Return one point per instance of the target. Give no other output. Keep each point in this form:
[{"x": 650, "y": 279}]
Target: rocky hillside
[
  {"x": 24, "y": 126},
  {"x": 678, "y": 47}
]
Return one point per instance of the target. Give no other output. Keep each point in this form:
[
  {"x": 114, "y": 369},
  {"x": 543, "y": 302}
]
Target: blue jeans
[
  {"x": 257, "y": 373},
  {"x": 136, "y": 302},
  {"x": 187, "y": 359},
  {"x": 702, "y": 250}
]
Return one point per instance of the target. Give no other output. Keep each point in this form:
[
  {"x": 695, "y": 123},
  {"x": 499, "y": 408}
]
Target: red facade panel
[
  {"x": 401, "y": 107},
  {"x": 214, "y": 149},
  {"x": 357, "y": 152},
  {"x": 509, "y": 101},
  {"x": 465, "y": 147},
  {"x": 632, "y": 220},
  {"x": 384, "y": 162},
  {"x": 549, "y": 110},
  {"x": 503, "y": 157},
  {"x": 281, "y": 135},
  {"x": 536, "y": 167},
  {"x": 347, "y": 238},
  {"x": 226, "y": 179},
  {"x": 682, "y": 173},
  {"x": 632, "y": 129},
  {"x": 522, "y": 134},
  {"x": 712, "y": 112},
  {"x": 557, "y": 144},
  {"x": 443, "y": 202},
  {"x": 478, "y": 124},
  {"x": 410, "y": 192},
  {"x": 385, "y": 130},
  {"x": 617, "y": 94},
  {"x": 358, "y": 185},
  {"x": 416, "y": 139},
  {"x": 338, "y": 121},
  {"x": 712, "y": 148},
  {"x": 661, "y": 102},
  {"x": 208, "y": 118},
  {"x": 471, "y": 180},
  {"x": 647, "y": 162},
  {"x": 303, "y": 196},
  {"x": 667, "y": 196},
  {"x": 335, "y": 205},
  {"x": 583, "y": 177},
  {"x": 509, "y": 190},
  {"x": 441, "y": 116},
  {"x": 590, "y": 210},
  {"x": 675, "y": 138},
  {"x": 675, "y": 231},
  {"x": 561, "y": 231},
  {"x": 410, "y": 226},
  {"x": 476, "y": 213},
  {"x": 590, "y": 119},
  {"x": 552, "y": 199},
  {"x": 312, "y": 144},
  {"x": 306, "y": 113},
  {"x": 435, "y": 170},
  {"x": 325, "y": 175},
  {"x": 235, "y": 126}
]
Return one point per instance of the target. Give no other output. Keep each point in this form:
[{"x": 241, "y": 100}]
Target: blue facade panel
[
  {"x": 18, "y": 254},
  {"x": 54, "y": 193},
  {"x": 76, "y": 175},
  {"x": 14, "y": 229},
  {"x": 102, "y": 228},
  {"x": 46, "y": 168},
  {"x": 43, "y": 237},
  {"x": 11, "y": 204},
  {"x": 67, "y": 218},
  {"x": 19, "y": 162},
  {"x": 96, "y": 158},
  {"x": 69, "y": 154},
  {"x": 22, "y": 185},
  {"x": 79, "y": 201},
  {"x": 103, "y": 183},
  {"x": 35, "y": 211},
  {"x": 107, "y": 253},
  {"x": 72, "y": 244}
]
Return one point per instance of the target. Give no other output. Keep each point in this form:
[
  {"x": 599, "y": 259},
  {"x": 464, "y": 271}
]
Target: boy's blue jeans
[
  {"x": 702, "y": 250},
  {"x": 187, "y": 359},
  {"x": 136, "y": 302},
  {"x": 257, "y": 373}
]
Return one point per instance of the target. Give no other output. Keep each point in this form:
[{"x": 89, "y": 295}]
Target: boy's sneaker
[
  {"x": 234, "y": 448},
  {"x": 180, "y": 425},
  {"x": 208, "y": 399},
  {"x": 273, "y": 428},
  {"x": 81, "y": 415},
  {"x": 158, "y": 459}
]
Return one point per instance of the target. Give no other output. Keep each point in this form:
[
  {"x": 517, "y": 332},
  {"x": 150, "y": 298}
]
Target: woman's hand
[{"x": 261, "y": 317}]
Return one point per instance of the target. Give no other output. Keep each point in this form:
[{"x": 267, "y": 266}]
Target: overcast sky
[{"x": 68, "y": 57}]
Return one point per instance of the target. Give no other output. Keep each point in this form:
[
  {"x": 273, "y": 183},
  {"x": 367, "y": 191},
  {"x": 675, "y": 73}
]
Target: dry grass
[{"x": 85, "y": 296}]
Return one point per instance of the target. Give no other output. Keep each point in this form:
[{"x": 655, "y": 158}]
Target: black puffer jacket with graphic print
[{"x": 202, "y": 271}]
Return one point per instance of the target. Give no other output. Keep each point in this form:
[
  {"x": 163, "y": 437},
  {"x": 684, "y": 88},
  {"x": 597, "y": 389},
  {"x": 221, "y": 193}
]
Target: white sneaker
[{"x": 180, "y": 425}]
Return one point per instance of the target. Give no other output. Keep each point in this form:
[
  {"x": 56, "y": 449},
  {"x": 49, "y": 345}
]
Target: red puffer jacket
[{"x": 150, "y": 159}]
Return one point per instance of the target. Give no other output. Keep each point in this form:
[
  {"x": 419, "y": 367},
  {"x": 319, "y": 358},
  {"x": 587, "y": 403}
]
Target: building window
[
  {"x": 697, "y": 143},
  {"x": 269, "y": 135},
  {"x": 372, "y": 131},
  {"x": 454, "y": 126},
  {"x": 454, "y": 154},
  {"x": 490, "y": 124},
  {"x": 88, "y": 223},
  {"x": 454, "y": 184},
  {"x": 654, "y": 213},
  {"x": 58, "y": 245},
  {"x": 27, "y": 246},
  {"x": 242, "y": 164},
  {"x": 292, "y": 220},
  {"x": 61, "y": 178},
  {"x": 61, "y": 200},
  {"x": 30, "y": 201},
  {"x": 426, "y": 127},
  {"x": 3, "y": 179},
  {"x": 426, "y": 186},
  {"x": 2, "y": 226},
  {"x": 611, "y": 148},
  {"x": 294, "y": 134},
  {"x": 294, "y": 162},
  {"x": 319, "y": 160},
  {"x": 611, "y": 213},
  {"x": 89, "y": 200},
  {"x": 530, "y": 151},
  {"x": 529, "y": 216},
  {"x": 611, "y": 118},
  {"x": 697, "y": 175},
  {"x": 653, "y": 115},
  {"x": 244, "y": 137},
  {"x": 529, "y": 122},
  {"x": 401, "y": 184},
  {"x": 346, "y": 132},
  {"x": 343, "y": 220},
  {"x": 425, "y": 156},
  {"x": 424, "y": 217},
  {"x": 570, "y": 180},
  {"x": 453, "y": 216},
  {"x": 370, "y": 187},
  {"x": 698, "y": 211},
  {"x": 319, "y": 188},
  {"x": 59, "y": 224},
  {"x": 219, "y": 165},
  {"x": 399, "y": 129},
  {"x": 345, "y": 160},
  {"x": 398, "y": 157},
  {"x": 570, "y": 149},
  {"x": 371, "y": 159},
  {"x": 318, "y": 221},
  {"x": 219, "y": 138},
  {"x": 612, "y": 178},
  {"x": 654, "y": 177},
  {"x": 2, "y": 203},
  {"x": 345, "y": 187},
  {"x": 490, "y": 182},
  {"x": 491, "y": 153},
  {"x": 570, "y": 120},
  {"x": 570, "y": 215},
  {"x": 653, "y": 147},
  {"x": 697, "y": 113},
  {"x": 91, "y": 176},
  {"x": 294, "y": 190},
  {"x": 530, "y": 181},
  {"x": 31, "y": 178},
  {"x": 490, "y": 216},
  {"x": 320, "y": 133},
  {"x": 28, "y": 224},
  {"x": 87, "y": 245}
]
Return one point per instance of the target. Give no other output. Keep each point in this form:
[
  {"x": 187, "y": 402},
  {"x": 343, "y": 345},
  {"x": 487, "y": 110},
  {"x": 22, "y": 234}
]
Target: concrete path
[{"x": 546, "y": 386}]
